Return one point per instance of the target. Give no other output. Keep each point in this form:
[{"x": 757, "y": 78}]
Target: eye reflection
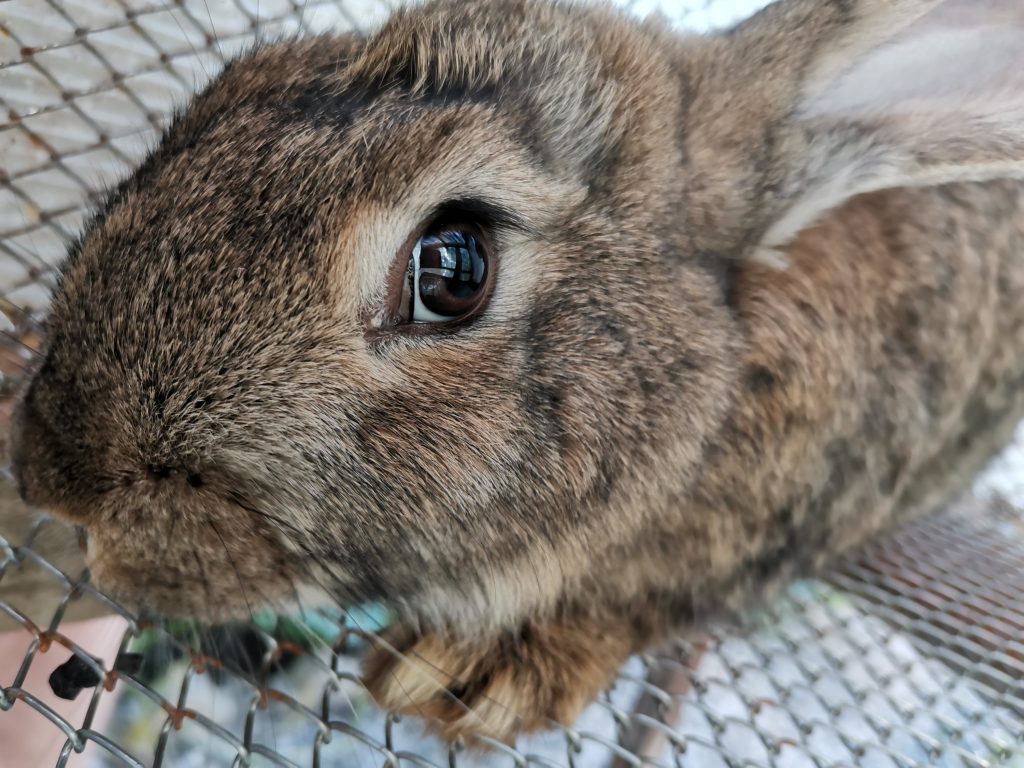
[{"x": 446, "y": 276}]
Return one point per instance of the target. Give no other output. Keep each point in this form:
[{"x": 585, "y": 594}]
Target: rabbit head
[{"x": 433, "y": 316}]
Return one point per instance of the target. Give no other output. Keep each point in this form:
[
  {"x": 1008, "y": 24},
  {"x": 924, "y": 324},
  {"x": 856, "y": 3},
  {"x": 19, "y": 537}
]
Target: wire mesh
[{"x": 909, "y": 653}]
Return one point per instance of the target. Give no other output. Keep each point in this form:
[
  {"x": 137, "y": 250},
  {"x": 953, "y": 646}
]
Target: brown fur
[
  {"x": 646, "y": 425},
  {"x": 527, "y": 678}
]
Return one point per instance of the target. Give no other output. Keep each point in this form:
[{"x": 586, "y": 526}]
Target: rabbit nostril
[
  {"x": 159, "y": 472},
  {"x": 195, "y": 480}
]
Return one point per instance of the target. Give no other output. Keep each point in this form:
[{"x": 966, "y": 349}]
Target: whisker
[
  {"x": 17, "y": 340},
  {"x": 11, "y": 376},
  {"x": 329, "y": 571},
  {"x": 216, "y": 36},
  {"x": 238, "y": 575},
  {"x": 290, "y": 527},
  {"x": 367, "y": 633},
  {"x": 202, "y": 574},
  {"x": 375, "y": 637},
  {"x": 114, "y": 519},
  {"x": 302, "y": 13},
  {"x": 186, "y": 36},
  {"x": 8, "y": 307}
]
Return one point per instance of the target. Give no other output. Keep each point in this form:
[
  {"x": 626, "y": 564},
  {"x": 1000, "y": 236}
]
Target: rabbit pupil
[{"x": 448, "y": 269}]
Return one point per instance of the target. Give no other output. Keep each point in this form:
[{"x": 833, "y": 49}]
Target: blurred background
[{"x": 910, "y": 653}]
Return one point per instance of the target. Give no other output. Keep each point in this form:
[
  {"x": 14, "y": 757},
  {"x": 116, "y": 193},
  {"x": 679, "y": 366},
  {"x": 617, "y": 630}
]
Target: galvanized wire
[{"x": 910, "y": 653}]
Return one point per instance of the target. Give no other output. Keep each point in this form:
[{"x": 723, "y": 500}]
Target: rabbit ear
[
  {"x": 942, "y": 102},
  {"x": 862, "y": 95}
]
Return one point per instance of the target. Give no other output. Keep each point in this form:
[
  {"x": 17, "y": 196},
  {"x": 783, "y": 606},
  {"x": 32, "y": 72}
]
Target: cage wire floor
[{"x": 909, "y": 653}]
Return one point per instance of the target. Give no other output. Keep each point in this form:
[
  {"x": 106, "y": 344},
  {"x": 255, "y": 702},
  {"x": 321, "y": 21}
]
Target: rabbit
[{"x": 553, "y": 330}]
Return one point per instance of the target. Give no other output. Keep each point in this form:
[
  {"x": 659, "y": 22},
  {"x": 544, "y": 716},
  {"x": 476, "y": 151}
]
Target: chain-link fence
[{"x": 911, "y": 653}]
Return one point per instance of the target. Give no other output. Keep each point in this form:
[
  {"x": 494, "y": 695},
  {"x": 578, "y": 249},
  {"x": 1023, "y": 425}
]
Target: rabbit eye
[
  {"x": 444, "y": 274},
  {"x": 446, "y": 277}
]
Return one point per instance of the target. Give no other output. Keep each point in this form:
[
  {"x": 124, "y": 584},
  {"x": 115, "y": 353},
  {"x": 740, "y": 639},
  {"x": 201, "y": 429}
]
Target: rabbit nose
[{"x": 159, "y": 471}]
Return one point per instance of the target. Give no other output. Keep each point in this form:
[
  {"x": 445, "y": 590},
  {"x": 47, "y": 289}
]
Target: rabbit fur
[{"x": 754, "y": 302}]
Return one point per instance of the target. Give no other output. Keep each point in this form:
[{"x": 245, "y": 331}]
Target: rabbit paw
[{"x": 497, "y": 686}]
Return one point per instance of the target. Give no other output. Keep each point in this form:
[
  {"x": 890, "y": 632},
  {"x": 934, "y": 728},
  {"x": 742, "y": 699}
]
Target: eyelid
[{"x": 489, "y": 214}]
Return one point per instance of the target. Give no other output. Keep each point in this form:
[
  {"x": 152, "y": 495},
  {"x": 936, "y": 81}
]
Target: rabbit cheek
[{"x": 186, "y": 556}]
